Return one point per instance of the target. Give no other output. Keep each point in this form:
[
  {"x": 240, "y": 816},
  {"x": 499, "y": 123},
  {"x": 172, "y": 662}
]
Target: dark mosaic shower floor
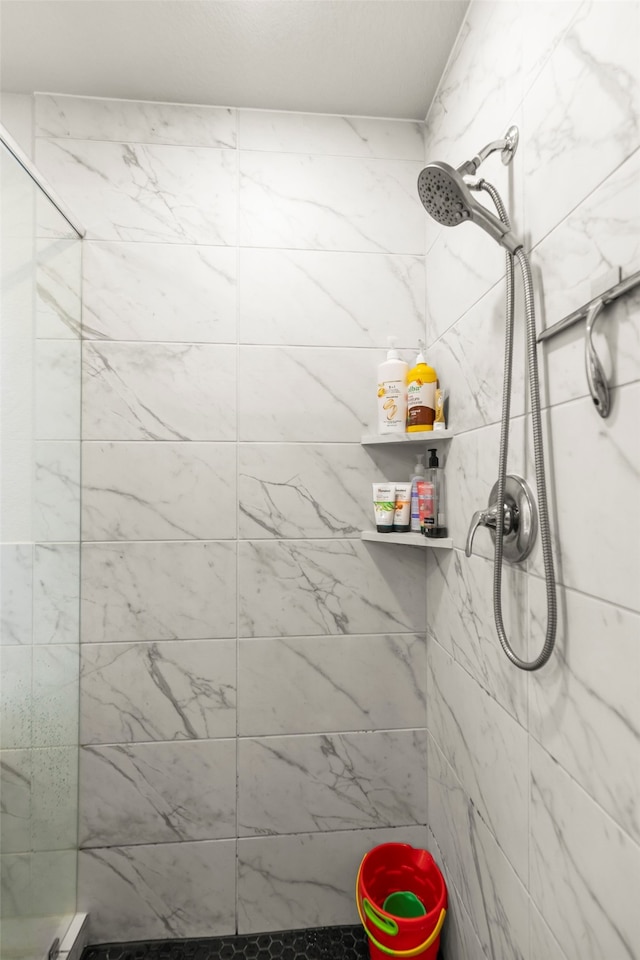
[{"x": 326, "y": 943}]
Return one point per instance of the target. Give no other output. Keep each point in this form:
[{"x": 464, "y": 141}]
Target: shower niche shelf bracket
[{"x": 428, "y": 438}]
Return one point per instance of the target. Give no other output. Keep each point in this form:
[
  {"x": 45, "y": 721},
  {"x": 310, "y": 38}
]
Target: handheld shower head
[{"x": 447, "y": 198}]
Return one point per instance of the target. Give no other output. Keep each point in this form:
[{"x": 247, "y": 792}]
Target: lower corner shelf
[{"x": 407, "y": 540}]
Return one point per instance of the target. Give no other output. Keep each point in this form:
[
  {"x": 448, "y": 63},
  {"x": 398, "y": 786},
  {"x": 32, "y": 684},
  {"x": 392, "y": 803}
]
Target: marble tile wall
[
  {"x": 534, "y": 779},
  {"x": 253, "y": 709}
]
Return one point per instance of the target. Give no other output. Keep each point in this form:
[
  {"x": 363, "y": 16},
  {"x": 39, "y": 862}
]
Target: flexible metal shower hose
[{"x": 538, "y": 452}]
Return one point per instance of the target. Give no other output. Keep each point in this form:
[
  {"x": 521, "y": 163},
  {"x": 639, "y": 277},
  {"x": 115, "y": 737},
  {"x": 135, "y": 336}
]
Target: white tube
[
  {"x": 402, "y": 513},
  {"x": 384, "y": 505}
]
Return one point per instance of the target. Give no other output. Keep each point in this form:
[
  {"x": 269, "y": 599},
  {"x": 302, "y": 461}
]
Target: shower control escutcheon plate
[{"x": 518, "y": 542}]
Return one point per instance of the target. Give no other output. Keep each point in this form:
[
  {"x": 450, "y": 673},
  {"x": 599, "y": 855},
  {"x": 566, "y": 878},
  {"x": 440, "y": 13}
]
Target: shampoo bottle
[
  {"x": 422, "y": 381},
  {"x": 418, "y": 476},
  {"x": 438, "y": 527},
  {"x": 392, "y": 392}
]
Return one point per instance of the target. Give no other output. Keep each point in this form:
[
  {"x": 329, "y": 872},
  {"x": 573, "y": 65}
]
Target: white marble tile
[
  {"x": 56, "y": 490},
  {"x": 16, "y": 592},
  {"x": 542, "y": 942},
  {"x": 54, "y": 874},
  {"x": 56, "y": 593},
  {"x": 135, "y": 121},
  {"x": 585, "y": 871},
  {"x": 329, "y": 203},
  {"x": 317, "y": 684},
  {"x": 334, "y": 135},
  {"x": 157, "y": 792},
  {"x": 310, "y": 490},
  {"x": 158, "y": 591},
  {"x": 162, "y": 292},
  {"x": 460, "y": 617},
  {"x": 126, "y": 191},
  {"x": 57, "y": 389},
  {"x": 182, "y": 690},
  {"x": 469, "y": 360},
  {"x": 15, "y": 807},
  {"x": 158, "y": 391},
  {"x": 289, "y": 883},
  {"x": 132, "y": 892},
  {"x": 596, "y": 461},
  {"x": 302, "y": 588},
  {"x": 459, "y": 940},
  {"x": 487, "y": 750},
  {"x": 320, "y": 298},
  {"x": 495, "y": 898},
  {"x": 585, "y": 703},
  {"x": 55, "y": 798},
  {"x": 58, "y": 289},
  {"x": 16, "y": 702},
  {"x": 543, "y": 25},
  {"x": 15, "y": 884},
  {"x": 307, "y": 394},
  {"x": 158, "y": 491},
  {"x": 480, "y": 89},
  {"x": 56, "y": 668},
  {"x": 601, "y": 234},
  {"x": 581, "y": 114},
  {"x": 16, "y": 519},
  {"x": 324, "y": 783}
]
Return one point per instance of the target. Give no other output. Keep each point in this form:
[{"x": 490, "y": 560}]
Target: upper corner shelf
[{"x": 424, "y": 436}]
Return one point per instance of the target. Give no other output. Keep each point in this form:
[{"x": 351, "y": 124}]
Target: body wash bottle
[
  {"x": 392, "y": 392},
  {"x": 422, "y": 381},
  {"x": 437, "y": 528},
  {"x": 418, "y": 475}
]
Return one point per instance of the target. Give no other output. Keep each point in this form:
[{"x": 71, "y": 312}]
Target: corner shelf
[
  {"x": 426, "y": 436},
  {"x": 407, "y": 540}
]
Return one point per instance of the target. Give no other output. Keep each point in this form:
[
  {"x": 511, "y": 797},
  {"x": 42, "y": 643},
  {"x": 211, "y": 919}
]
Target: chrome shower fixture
[{"x": 446, "y": 196}]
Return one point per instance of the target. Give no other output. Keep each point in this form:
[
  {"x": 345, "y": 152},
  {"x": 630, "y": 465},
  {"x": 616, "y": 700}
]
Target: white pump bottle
[{"x": 392, "y": 392}]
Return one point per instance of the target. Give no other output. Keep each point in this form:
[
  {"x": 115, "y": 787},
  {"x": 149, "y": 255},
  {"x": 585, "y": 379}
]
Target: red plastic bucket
[{"x": 390, "y": 868}]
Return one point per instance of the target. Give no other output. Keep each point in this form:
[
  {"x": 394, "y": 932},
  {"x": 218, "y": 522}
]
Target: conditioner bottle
[
  {"x": 422, "y": 381},
  {"x": 392, "y": 392},
  {"x": 437, "y": 528}
]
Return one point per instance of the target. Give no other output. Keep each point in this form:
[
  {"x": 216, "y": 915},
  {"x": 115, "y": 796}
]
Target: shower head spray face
[{"x": 447, "y": 198}]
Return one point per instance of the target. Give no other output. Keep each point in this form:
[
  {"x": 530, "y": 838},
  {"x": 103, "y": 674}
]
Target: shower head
[{"x": 447, "y": 198}]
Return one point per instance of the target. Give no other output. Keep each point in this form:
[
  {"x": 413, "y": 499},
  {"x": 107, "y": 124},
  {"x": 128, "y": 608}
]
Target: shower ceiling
[{"x": 363, "y": 57}]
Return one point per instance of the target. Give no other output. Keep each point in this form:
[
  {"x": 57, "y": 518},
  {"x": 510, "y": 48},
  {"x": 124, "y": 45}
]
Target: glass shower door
[{"x": 40, "y": 287}]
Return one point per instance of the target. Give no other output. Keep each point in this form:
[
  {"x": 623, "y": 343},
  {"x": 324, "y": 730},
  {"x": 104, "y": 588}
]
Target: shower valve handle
[{"x": 489, "y": 518}]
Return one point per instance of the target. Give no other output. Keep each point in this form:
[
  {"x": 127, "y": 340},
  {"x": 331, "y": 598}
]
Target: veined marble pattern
[
  {"x": 55, "y": 695},
  {"x": 161, "y": 292},
  {"x": 306, "y": 394},
  {"x": 95, "y": 118},
  {"x": 158, "y": 391},
  {"x": 309, "y": 490},
  {"x": 325, "y": 783},
  {"x": 157, "y": 792},
  {"x": 55, "y": 798},
  {"x": 585, "y": 871},
  {"x": 129, "y": 191},
  {"x": 58, "y": 279},
  {"x": 16, "y": 701},
  {"x": 307, "y": 880},
  {"x": 56, "y": 490},
  {"x": 158, "y": 590},
  {"x": 318, "y": 684},
  {"x": 543, "y": 27},
  {"x": 542, "y": 942},
  {"x": 16, "y": 586},
  {"x": 159, "y": 491},
  {"x": 574, "y": 141},
  {"x": 330, "y": 203},
  {"x": 56, "y": 593},
  {"x": 323, "y": 134},
  {"x": 176, "y": 690},
  {"x": 320, "y": 298},
  {"x": 574, "y": 435},
  {"x": 487, "y": 750},
  {"x": 460, "y": 618},
  {"x": 297, "y": 588},
  {"x": 469, "y": 360},
  {"x": 15, "y": 801},
  {"x": 459, "y": 940},
  {"x": 57, "y": 389},
  {"x": 134, "y": 890},
  {"x": 585, "y": 703},
  {"x": 474, "y": 864},
  {"x": 481, "y": 88}
]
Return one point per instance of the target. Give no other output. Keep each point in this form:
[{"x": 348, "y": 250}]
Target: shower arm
[{"x": 507, "y": 146}]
